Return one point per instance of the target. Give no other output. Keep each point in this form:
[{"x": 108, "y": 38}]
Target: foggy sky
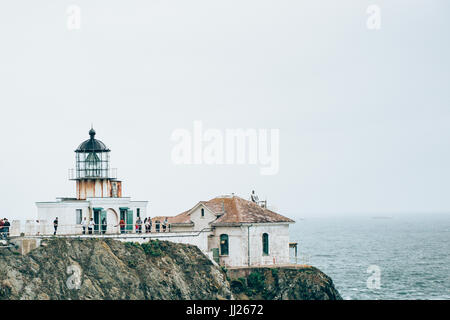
[{"x": 363, "y": 114}]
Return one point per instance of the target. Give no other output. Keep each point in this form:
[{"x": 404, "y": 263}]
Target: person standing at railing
[
  {"x": 38, "y": 227},
  {"x": 84, "y": 225},
  {"x": 2, "y": 223},
  {"x": 122, "y": 226},
  {"x": 55, "y": 225},
  {"x": 91, "y": 226},
  {"x": 139, "y": 225},
  {"x": 6, "y": 228}
]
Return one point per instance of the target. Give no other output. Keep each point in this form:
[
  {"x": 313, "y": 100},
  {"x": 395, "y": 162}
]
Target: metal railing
[
  {"x": 110, "y": 173},
  {"x": 127, "y": 230}
]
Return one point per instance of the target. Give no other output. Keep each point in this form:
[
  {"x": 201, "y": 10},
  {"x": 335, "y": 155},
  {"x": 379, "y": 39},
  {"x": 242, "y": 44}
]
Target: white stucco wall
[
  {"x": 238, "y": 238},
  {"x": 278, "y": 244},
  {"x": 66, "y": 213},
  {"x": 201, "y": 223}
]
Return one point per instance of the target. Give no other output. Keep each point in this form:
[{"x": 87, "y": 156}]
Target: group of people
[
  {"x": 138, "y": 225},
  {"x": 4, "y": 228},
  {"x": 147, "y": 225},
  {"x": 90, "y": 226}
]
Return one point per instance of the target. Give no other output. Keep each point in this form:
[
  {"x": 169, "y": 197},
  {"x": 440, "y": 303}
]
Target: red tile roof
[{"x": 234, "y": 210}]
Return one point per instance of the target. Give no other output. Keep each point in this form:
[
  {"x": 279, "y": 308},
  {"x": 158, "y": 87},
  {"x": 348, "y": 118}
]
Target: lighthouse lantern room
[{"x": 93, "y": 175}]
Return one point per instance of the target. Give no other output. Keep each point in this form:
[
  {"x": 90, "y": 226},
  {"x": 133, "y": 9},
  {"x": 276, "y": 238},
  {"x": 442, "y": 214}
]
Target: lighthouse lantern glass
[{"x": 92, "y": 165}]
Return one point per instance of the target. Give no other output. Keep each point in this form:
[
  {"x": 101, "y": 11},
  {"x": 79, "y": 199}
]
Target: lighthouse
[
  {"x": 99, "y": 196},
  {"x": 92, "y": 173}
]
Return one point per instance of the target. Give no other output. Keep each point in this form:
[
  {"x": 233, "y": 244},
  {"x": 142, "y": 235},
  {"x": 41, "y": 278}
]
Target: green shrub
[
  {"x": 275, "y": 273},
  {"x": 132, "y": 264},
  {"x": 130, "y": 245},
  {"x": 152, "y": 248},
  {"x": 255, "y": 281}
]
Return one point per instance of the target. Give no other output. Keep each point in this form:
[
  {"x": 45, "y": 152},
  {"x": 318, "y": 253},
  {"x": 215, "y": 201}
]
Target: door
[
  {"x": 129, "y": 221},
  {"x": 103, "y": 221},
  {"x": 215, "y": 252},
  {"x": 96, "y": 220}
]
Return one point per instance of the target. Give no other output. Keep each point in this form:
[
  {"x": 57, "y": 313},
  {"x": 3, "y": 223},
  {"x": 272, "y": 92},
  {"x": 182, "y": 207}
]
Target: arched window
[
  {"x": 203, "y": 212},
  {"x": 265, "y": 244},
  {"x": 224, "y": 244}
]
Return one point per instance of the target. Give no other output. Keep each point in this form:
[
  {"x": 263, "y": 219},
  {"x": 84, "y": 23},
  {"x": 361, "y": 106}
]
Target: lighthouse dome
[{"x": 92, "y": 144}]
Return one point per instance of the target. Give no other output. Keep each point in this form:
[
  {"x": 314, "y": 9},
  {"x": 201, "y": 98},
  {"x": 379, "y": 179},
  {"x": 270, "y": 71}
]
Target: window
[
  {"x": 224, "y": 244},
  {"x": 138, "y": 212},
  {"x": 78, "y": 215},
  {"x": 265, "y": 244},
  {"x": 203, "y": 213}
]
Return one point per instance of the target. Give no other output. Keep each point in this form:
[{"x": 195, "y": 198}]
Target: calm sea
[{"x": 412, "y": 253}]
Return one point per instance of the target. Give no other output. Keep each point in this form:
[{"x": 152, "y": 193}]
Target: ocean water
[{"x": 412, "y": 253}]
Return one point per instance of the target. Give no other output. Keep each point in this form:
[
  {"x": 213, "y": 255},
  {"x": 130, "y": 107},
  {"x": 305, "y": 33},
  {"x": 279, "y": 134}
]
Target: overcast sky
[{"x": 363, "y": 114}]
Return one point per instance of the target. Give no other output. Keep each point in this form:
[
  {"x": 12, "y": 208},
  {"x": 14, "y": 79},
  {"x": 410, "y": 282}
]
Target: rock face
[
  {"x": 284, "y": 283},
  {"x": 109, "y": 269}
]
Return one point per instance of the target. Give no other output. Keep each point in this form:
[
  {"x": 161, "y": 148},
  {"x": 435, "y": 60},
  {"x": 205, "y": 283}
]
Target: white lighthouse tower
[{"x": 98, "y": 196}]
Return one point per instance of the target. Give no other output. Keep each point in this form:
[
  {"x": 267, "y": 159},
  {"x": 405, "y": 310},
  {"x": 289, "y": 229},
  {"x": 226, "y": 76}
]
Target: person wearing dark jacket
[
  {"x": 2, "y": 223},
  {"x": 6, "y": 228},
  {"x": 55, "y": 225}
]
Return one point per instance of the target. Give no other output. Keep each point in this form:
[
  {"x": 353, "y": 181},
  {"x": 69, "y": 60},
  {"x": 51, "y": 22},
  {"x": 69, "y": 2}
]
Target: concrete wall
[
  {"x": 16, "y": 228},
  {"x": 194, "y": 238},
  {"x": 26, "y": 245}
]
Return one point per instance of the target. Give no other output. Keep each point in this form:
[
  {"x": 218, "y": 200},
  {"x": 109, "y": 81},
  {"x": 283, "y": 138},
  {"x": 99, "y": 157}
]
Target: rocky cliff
[
  {"x": 283, "y": 283},
  {"x": 109, "y": 269}
]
